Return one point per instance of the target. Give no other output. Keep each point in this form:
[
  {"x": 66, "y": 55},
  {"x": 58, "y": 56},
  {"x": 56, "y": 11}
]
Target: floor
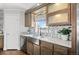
[{"x": 12, "y": 53}]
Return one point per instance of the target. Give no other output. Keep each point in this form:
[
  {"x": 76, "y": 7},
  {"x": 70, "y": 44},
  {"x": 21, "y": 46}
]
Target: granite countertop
[{"x": 51, "y": 40}]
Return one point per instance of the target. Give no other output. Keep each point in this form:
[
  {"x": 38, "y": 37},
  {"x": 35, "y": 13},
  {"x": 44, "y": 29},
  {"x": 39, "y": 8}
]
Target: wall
[
  {"x": 1, "y": 20},
  {"x": 13, "y": 19},
  {"x": 77, "y": 29}
]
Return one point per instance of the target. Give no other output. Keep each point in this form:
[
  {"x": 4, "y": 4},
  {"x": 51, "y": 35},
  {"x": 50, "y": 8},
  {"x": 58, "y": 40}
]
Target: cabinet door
[
  {"x": 58, "y": 19},
  {"x": 1, "y": 42},
  {"x": 30, "y": 48},
  {"x": 56, "y": 7},
  {"x": 46, "y": 48},
  {"x": 46, "y": 51},
  {"x": 60, "y": 50},
  {"x": 36, "y": 49},
  {"x": 46, "y": 44},
  {"x": 28, "y": 20},
  {"x": 58, "y": 14}
]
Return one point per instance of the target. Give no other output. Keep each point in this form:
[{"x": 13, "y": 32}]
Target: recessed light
[{"x": 58, "y": 15}]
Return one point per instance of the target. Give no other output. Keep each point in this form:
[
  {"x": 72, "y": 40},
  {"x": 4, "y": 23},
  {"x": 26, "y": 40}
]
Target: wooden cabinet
[
  {"x": 36, "y": 49},
  {"x": 56, "y": 7},
  {"x": 28, "y": 20},
  {"x": 30, "y": 47},
  {"x": 58, "y": 14},
  {"x": 60, "y": 50},
  {"x": 46, "y": 51},
  {"x": 1, "y": 42},
  {"x": 54, "y": 14},
  {"x": 46, "y": 44},
  {"x": 46, "y": 48}
]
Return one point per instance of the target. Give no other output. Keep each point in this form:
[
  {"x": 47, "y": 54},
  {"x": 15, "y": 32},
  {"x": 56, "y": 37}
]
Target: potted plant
[{"x": 65, "y": 31}]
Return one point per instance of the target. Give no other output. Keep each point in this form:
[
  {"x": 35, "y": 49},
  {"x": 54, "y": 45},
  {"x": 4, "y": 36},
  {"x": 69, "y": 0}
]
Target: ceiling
[{"x": 22, "y": 6}]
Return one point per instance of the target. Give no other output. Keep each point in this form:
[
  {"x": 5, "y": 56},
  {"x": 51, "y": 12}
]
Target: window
[{"x": 39, "y": 20}]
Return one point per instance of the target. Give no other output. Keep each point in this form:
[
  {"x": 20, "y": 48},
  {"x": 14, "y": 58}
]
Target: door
[{"x": 11, "y": 31}]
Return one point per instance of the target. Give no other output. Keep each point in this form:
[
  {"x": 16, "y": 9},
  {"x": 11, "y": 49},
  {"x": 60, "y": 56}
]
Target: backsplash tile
[{"x": 51, "y": 32}]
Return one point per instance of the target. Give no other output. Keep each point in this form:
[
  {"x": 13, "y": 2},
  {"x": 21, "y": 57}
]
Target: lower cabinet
[
  {"x": 60, "y": 50},
  {"x": 1, "y": 42},
  {"x": 36, "y": 49},
  {"x": 46, "y": 51},
  {"x": 46, "y": 48},
  {"x": 30, "y": 48}
]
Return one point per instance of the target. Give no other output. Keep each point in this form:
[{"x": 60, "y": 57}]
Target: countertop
[{"x": 51, "y": 40}]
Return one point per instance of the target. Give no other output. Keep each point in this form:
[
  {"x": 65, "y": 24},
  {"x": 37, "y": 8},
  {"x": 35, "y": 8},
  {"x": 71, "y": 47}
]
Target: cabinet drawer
[
  {"x": 46, "y": 51},
  {"x": 60, "y": 49},
  {"x": 46, "y": 44}
]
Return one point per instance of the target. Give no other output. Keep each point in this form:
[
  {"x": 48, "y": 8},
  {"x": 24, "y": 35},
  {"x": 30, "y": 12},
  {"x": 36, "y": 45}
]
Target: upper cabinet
[
  {"x": 56, "y": 7},
  {"x": 58, "y": 14},
  {"x": 50, "y": 14},
  {"x": 28, "y": 20}
]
